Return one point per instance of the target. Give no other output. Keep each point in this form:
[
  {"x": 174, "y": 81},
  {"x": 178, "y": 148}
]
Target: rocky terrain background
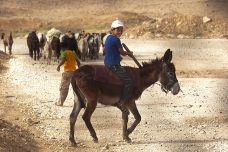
[{"x": 169, "y": 19}]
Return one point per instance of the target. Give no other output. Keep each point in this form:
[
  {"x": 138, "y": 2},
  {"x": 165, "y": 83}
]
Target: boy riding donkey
[{"x": 113, "y": 51}]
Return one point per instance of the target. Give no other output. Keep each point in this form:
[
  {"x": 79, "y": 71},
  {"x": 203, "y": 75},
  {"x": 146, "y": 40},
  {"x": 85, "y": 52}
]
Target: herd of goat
[{"x": 86, "y": 45}]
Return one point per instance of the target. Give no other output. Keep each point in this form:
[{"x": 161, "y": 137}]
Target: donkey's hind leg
[
  {"x": 93, "y": 94},
  {"x": 73, "y": 118},
  {"x": 86, "y": 117}
]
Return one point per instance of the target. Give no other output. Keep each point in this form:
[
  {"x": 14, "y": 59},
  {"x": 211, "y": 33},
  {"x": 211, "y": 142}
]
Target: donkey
[
  {"x": 7, "y": 41},
  {"x": 87, "y": 85}
]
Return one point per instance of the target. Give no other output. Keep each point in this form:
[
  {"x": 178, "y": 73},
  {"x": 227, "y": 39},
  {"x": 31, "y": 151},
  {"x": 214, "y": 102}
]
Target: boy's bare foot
[{"x": 58, "y": 104}]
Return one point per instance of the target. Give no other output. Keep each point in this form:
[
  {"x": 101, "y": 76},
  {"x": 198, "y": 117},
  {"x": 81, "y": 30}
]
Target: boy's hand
[
  {"x": 58, "y": 69},
  {"x": 130, "y": 54},
  {"x": 121, "y": 58}
]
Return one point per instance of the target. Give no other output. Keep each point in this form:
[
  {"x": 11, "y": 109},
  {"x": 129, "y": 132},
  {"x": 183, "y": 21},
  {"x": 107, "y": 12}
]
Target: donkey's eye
[{"x": 171, "y": 74}]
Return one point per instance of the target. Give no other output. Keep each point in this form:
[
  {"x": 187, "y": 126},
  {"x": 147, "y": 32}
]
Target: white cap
[{"x": 116, "y": 24}]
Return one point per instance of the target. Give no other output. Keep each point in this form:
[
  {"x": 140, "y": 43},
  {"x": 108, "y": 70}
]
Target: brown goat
[{"x": 7, "y": 41}]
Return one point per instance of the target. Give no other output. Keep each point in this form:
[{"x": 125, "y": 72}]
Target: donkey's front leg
[
  {"x": 30, "y": 53},
  {"x": 125, "y": 132},
  {"x": 38, "y": 54},
  {"x": 137, "y": 117},
  {"x": 35, "y": 55}
]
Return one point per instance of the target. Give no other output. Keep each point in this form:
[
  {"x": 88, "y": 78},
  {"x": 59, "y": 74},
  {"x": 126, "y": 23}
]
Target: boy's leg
[
  {"x": 128, "y": 86},
  {"x": 128, "y": 83},
  {"x": 64, "y": 87}
]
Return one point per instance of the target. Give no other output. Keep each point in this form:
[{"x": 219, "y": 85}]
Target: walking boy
[{"x": 69, "y": 59}]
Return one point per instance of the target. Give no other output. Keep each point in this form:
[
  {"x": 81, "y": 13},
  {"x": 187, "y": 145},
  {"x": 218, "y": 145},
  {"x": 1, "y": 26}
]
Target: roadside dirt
[{"x": 195, "y": 120}]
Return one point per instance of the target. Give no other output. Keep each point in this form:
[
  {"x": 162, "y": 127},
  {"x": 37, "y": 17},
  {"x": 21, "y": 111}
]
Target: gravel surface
[{"x": 194, "y": 120}]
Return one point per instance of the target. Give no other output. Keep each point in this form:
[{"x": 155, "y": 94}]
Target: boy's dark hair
[{"x": 64, "y": 45}]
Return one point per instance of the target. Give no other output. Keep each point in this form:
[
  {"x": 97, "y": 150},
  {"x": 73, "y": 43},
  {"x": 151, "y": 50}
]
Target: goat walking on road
[
  {"x": 33, "y": 45},
  {"x": 42, "y": 40},
  {"x": 7, "y": 41},
  {"x": 82, "y": 46},
  {"x": 52, "y": 46}
]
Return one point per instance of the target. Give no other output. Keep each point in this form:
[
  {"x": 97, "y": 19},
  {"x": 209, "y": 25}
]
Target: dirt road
[{"x": 195, "y": 120}]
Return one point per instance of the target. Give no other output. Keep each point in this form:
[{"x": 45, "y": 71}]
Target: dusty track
[{"x": 195, "y": 120}]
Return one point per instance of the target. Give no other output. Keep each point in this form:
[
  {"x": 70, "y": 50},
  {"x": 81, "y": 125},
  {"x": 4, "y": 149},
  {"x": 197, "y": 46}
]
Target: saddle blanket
[{"x": 103, "y": 74}]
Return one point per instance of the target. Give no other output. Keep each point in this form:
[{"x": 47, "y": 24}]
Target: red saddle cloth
[{"x": 103, "y": 74}]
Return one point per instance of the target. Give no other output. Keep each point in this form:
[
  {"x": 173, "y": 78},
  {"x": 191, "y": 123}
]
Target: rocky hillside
[
  {"x": 148, "y": 19},
  {"x": 181, "y": 27}
]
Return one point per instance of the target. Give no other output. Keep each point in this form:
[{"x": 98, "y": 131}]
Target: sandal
[{"x": 122, "y": 107}]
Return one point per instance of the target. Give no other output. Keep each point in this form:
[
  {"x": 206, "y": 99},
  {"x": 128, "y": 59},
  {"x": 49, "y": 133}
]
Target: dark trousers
[{"x": 128, "y": 80}]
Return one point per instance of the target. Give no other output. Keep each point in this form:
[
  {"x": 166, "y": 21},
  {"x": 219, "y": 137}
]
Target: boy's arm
[
  {"x": 77, "y": 60},
  {"x": 104, "y": 50},
  {"x": 61, "y": 63},
  {"x": 122, "y": 52},
  {"x": 78, "y": 63},
  {"x": 121, "y": 58}
]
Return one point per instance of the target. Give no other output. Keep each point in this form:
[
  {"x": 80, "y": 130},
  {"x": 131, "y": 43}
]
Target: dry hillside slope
[{"x": 142, "y": 19}]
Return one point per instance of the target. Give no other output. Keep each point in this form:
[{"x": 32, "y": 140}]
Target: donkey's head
[{"x": 167, "y": 77}]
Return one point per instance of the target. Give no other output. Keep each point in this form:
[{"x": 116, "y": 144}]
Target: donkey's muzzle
[{"x": 175, "y": 89}]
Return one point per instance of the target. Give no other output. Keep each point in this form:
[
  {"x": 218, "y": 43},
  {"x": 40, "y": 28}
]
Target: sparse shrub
[
  {"x": 205, "y": 28},
  {"x": 153, "y": 21}
]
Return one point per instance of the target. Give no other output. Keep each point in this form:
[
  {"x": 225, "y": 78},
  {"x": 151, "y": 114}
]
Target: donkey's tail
[{"x": 79, "y": 94}]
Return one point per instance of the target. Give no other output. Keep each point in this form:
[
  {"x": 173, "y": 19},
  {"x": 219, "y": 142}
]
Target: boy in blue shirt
[{"x": 113, "y": 51}]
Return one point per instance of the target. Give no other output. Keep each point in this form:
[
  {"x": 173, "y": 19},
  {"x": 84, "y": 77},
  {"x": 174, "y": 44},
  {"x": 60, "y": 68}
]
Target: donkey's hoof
[
  {"x": 94, "y": 136},
  {"x": 126, "y": 138},
  {"x": 95, "y": 140},
  {"x": 73, "y": 143}
]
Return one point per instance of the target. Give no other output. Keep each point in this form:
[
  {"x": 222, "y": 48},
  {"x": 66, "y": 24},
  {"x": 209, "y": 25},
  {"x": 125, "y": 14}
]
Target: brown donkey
[
  {"x": 85, "y": 86},
  {"x": 7, "y": 41}
]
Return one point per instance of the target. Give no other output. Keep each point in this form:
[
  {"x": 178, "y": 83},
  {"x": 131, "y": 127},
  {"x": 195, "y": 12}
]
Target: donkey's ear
[{"x": 168, "y": 56}]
